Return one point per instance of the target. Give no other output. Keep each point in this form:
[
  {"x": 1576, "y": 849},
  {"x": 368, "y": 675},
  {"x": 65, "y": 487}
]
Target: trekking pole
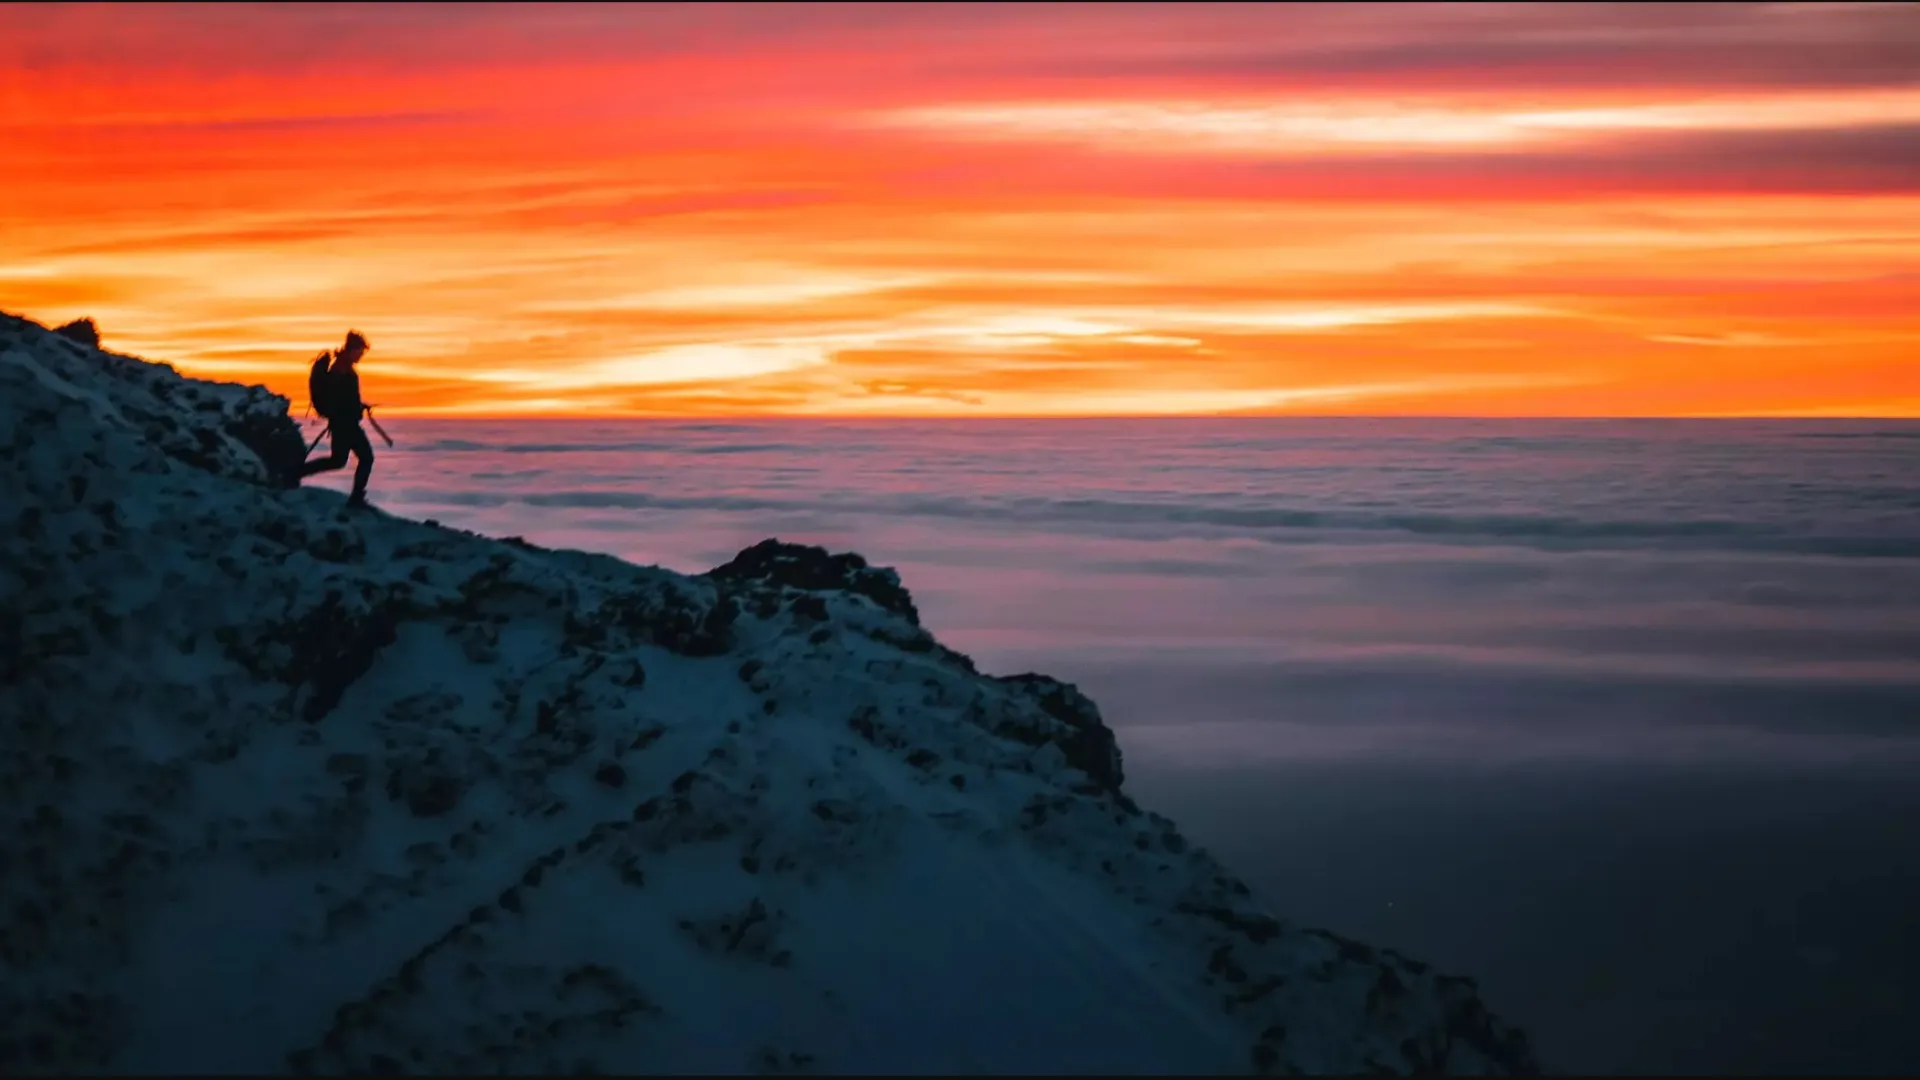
[
  {"x": 316, "y": 441},
  {"x": 377, "y": 427}
]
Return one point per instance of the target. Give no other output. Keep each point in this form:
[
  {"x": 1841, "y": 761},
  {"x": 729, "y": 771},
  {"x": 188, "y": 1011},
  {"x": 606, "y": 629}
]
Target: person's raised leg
[
  {"x": 336, "y": 456},
  {"x": 363, "y": 452}
]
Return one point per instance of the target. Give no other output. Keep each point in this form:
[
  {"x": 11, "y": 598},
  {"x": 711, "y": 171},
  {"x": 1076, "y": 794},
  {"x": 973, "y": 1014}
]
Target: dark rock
[
  {"x": 712, "y": 635},
  {"x": 688, "y": 625},
  {"x": 80, "y": 331},
  {"x": 327, "y": 650},
  {"x": 436, "y": 796},
  {"x": 1254, "y": 927},
  {"x": 1354, "y": 952},
  {"x": 1388, "y": 987},
  {"x": 1089, "y": 744},
  {"x": 1468, "y": 1021},
  {"x": 1262, "y": 989},
  {"x": 275, "y": 439},
  {"x": 611, "y": 774},
  {"x": 956, "y": 658},
  {"x": 917, "y": 642},
  {"x": 428, "y": 786},
  {"x": 803, "y": 566}
]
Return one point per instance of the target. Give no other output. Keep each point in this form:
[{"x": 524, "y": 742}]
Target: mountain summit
[{"x": 294, "y": 789}]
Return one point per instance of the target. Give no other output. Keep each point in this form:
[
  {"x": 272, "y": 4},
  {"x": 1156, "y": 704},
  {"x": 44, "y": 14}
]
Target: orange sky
[{"x": 1541, "y": 209}]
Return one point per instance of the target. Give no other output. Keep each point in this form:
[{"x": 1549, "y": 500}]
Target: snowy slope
[{"x": 290, "y": 788}]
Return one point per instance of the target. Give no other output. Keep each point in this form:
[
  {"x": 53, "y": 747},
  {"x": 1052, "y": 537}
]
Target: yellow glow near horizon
[{"x": 1395, "y": 125}]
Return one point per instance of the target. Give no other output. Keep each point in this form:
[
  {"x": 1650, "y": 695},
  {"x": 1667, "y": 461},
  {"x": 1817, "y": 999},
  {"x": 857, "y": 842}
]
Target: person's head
[{"x": 354, "y": 349}]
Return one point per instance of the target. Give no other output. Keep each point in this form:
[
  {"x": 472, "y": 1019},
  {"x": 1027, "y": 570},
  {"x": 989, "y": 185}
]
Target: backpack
[{"x": 321, "y": 386}]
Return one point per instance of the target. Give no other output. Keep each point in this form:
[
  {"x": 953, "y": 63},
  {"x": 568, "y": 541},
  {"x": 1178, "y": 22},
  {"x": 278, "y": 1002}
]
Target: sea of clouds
[{"x": 1621, "y": 716}]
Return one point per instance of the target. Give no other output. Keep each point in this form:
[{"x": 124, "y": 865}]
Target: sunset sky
[{"x": 1534, "y": 209}]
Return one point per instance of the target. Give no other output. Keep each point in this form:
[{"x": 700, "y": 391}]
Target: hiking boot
[{"x": 357, "y": 500}]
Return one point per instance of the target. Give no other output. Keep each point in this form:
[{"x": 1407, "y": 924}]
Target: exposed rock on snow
[
  {"x": 82, "y": 331},
  {"x": 292, "y": 788}
]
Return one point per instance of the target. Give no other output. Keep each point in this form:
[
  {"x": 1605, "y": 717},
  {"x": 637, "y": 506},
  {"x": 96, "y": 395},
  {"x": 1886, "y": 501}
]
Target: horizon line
[
  {"x": 714, "y": 418},
  {"x": 828, "y": 416}
]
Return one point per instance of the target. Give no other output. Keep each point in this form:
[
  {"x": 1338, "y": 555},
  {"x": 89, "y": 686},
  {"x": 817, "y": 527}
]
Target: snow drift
[{"x": 293, "y": 789}]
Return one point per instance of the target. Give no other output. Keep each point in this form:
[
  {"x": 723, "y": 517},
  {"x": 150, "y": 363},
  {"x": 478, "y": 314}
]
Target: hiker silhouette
[{"x": 334, "y": 389}]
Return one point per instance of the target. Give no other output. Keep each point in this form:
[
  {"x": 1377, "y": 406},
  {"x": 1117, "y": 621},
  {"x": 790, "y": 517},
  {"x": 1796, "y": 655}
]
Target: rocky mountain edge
[{"x": 356, "y": 755}]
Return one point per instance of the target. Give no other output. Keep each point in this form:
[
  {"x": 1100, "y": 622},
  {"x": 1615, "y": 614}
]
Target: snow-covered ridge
[{"x": 293, "y": 789}]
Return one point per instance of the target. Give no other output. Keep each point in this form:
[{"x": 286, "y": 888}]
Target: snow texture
[{"x": 294, "y": 788}]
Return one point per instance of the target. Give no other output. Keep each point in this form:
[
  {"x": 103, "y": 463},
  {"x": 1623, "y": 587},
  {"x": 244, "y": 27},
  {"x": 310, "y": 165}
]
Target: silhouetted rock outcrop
[
  {"x": 81, "y": 331},
  {"x": 800, "y": 566}
]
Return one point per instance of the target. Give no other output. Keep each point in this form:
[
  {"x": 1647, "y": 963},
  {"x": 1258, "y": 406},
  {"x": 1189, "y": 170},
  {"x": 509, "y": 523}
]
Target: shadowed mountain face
[{"x": 291, "y": 787}]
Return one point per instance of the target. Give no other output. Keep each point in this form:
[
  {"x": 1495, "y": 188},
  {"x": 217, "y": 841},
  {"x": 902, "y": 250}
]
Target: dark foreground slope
[{"x": 288, "y": 788}]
